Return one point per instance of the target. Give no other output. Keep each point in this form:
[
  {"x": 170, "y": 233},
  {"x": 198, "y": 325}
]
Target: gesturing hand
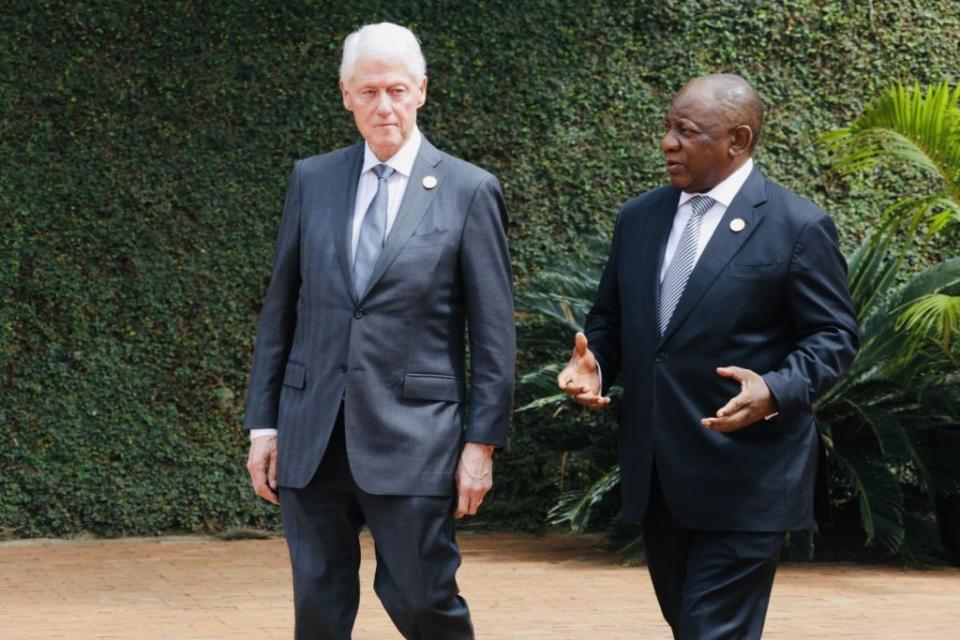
[
  {"x": 262, "y": 465},
  {"x": 752, "y": 404},
  {"x": 474, "y": 477},
  {"x": 581, "y": 377}
]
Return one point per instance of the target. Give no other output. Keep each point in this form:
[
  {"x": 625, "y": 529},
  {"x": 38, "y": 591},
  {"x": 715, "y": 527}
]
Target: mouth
[{"x": 675, "y": 167}]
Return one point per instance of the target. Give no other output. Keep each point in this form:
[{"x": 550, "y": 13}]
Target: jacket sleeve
[
  {"x": 488, "y": 291},
  {"x": 278, "y": 317},
  {"x": 823, "y": 316},
  {"x": 602, "y": 326}
]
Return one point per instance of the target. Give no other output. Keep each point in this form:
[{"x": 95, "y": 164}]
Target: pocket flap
[
  {"x": 766, "y": 271},
  {"x": 423, "y": 386},
  {"x": 294, "y": 375}
]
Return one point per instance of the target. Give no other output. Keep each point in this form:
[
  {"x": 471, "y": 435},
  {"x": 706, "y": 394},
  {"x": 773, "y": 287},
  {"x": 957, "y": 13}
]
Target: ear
[
  {"x": 742, "y": 139},
  {"x": 346, "y": 96},
  {"x": 422, "y": 89}
]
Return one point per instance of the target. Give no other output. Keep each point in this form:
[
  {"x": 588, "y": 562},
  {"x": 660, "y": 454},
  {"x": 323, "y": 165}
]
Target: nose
[
  {"x": 383, "y": 104},
  {"x": 669, "y": 141}
]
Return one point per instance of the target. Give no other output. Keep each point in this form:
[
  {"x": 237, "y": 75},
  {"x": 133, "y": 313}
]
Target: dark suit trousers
[
  {"x": 711, "y": 585},
  {"x": 417, "y": 555}
]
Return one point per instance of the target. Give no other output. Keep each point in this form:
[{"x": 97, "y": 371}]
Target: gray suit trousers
[{"x": 416, "y": 551}]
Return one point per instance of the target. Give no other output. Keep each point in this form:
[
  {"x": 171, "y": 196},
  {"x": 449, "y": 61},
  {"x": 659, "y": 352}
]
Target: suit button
[{"x": 358, "y": 314}]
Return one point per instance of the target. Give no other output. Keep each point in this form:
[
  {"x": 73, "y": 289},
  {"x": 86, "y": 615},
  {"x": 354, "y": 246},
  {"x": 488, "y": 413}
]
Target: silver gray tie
[
  {"x": 373, "y": 231},
  {"x": 684, "y": 259}
]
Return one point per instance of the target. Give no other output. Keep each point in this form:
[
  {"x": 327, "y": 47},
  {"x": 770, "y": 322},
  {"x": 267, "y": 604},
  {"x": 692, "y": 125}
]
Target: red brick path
[{"x": 519, "y": 587}]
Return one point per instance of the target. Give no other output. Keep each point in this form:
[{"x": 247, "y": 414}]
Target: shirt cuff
[{"x": 261, "y": 433}]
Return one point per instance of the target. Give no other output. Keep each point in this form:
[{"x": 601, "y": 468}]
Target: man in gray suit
[{"x": 389, "y": 253}]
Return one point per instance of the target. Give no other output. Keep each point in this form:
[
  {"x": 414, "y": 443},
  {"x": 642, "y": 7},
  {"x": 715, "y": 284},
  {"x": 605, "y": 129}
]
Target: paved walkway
[{"x": 519, "y": 587}]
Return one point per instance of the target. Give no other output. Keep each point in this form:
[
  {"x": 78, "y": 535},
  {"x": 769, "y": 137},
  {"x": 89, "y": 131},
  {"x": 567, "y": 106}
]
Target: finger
[
  {"x": 732, "y": 422},
  {"x": 603, "y": 403},
  {"x": 590, "y": 396},
  {"x": 737, "y": 373},
  {"x": 577, "y": 388},
  {"x": 733, "y": 405},
  {"x": 476, "y": 498},
  {"x": 592, "y": 400},
  {"x": 258, "y": 475},
  {"x": 567, "y": 378},
  {"x": 260, "y": 486},
  {"x": 463, "y": 504},
  {"x": 267, "y": 494},
  {"x": 272, "y": 471},
  {"x": 580, "y": 344}
]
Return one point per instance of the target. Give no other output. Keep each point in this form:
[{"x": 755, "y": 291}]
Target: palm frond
[
  {"x": 576, "y": 507},
  {"x": 910, "y": 125},
  {"x": 880, "y": 498},
  {"x": 935, "y": 317},
  {"x": 633, "y": 553},
  {"x": 799, "y": 546}
]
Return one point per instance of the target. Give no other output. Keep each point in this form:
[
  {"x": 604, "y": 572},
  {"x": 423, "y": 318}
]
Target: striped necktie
[
  {"x": 373, "y": 231},
  {"x": 684, "y": 259}
]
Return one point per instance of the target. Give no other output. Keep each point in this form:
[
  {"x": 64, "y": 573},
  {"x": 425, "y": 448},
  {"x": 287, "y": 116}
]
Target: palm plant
[{"x": 879, "y": 425}]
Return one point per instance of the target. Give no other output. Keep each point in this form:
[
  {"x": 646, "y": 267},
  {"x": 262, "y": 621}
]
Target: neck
[{"x": 385, "y": 153}]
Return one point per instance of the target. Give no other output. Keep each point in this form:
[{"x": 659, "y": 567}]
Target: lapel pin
[
  {"x": 737, "y": 225},
  {"x": 429, "y": 182}
]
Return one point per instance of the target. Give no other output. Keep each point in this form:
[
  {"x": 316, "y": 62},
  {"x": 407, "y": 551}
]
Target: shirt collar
[
  {"x": 724, "y": 192},
  {"x": 401, "y": 161}
]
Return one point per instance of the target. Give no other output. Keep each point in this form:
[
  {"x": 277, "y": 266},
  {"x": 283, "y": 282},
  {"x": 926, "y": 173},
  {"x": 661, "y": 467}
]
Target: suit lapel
[
  {"x": 343, "y": 203},
  {"x": 416, "y": 201},
  {"x": 723, "y": 245}
]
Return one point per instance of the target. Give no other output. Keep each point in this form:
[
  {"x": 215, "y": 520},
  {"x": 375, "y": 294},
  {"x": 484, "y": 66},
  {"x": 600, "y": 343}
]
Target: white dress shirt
[
  {"x": 722, "y": 194},
  {"x": 402, "y": 164}
]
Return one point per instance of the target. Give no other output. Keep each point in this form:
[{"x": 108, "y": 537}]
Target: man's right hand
[
  {"x": 262, "y": 465},
  {"x": 581, "y": 377}
]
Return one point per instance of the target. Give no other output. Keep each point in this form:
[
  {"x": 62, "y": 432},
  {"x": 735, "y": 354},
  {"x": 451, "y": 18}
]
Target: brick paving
[{"x": 519, "y": 587}]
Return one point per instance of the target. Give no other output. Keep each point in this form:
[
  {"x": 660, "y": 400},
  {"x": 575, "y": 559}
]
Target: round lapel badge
[
  {"x": 737, "y": 225},
  {"x": 429, "y": 182}
]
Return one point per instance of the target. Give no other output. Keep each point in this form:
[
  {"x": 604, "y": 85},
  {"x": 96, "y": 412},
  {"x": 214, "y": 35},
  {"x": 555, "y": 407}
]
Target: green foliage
[
  {"x": 877, "y": 423},
  {"x": 146, "y": 148},
  {"x": 913, "y": 127}
]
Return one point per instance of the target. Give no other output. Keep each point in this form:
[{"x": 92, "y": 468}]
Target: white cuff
[{"x": 261, "y": 433}]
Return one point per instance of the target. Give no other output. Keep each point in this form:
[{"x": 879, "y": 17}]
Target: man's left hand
[
  {"x": 474, "y": 477},
  {"x": 752, "y": 404}
]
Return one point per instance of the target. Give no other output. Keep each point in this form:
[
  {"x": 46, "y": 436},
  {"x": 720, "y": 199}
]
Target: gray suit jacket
[{"x": 395, "y": 357}]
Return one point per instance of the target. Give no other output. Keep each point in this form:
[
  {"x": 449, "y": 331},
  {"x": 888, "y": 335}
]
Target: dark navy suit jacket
[{"x": 772, "y": 298}]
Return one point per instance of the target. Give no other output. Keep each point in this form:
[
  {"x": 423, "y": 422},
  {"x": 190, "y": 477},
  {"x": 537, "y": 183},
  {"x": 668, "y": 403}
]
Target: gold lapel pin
[
  {"x": 737, "y": 225},
  {"x": 429, "y": 182}
]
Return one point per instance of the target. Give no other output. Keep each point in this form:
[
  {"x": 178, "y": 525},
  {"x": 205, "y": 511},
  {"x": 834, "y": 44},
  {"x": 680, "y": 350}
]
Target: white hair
[{"x": 384, "y": 42}]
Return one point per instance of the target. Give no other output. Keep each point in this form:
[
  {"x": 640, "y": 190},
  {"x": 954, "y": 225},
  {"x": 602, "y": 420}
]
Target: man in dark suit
[
  {"x": 724, "y": 308},
  {"x": 388, "y": 251}
]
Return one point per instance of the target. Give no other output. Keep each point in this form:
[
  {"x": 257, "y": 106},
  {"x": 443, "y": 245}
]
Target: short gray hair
[{"x": 384, "y": 41}]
